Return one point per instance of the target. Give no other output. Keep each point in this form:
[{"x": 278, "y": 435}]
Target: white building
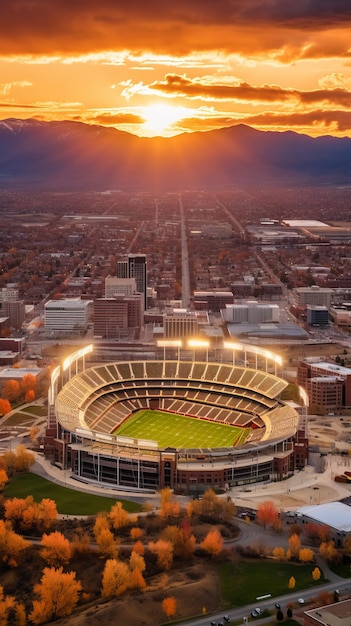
[
  {"x": 115, "y": 286},
  {"x": 250, "y": 312},
  {"x": 316, "y": 296},
  {"x": 67, "y": 315}
]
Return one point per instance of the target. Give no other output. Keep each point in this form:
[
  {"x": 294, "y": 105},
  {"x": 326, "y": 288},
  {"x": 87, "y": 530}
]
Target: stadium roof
[{"x": 334, "y": 514}]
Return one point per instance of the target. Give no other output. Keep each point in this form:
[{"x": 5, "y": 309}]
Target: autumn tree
[
  {"x": 267, "y": 513},
  {"x": 104, "y": 537},
  {"x": 28, "y": 383},
  {"x": 3, "y": 479},
  {"x": 169, "y": 606},
  {"x": 168, "y": 508},
  {"x": 135, "y": 533},
  {"x": 58, "y": 594},
  {"x": 118, "y": 516},
  {"x": 11, "y": 544},
  {"x": 29, "y": 395},
  {"x": 316, "y": 573},
  {"x": 279, "y": 553},
  {"x": 24, "y": 459},
  {"x": 11, "y": 390},
  {"x": 80, "y": 542},
  {"x": 292, "y": 582},
  {"x": 138, "y": 547},
  {"x": 294, "y": 542},
  {"x": 33, "y": 433},
  {"x": 56, "y": 549},
  {"x": 136, "y": 561},
  {"x": 27, "y": 514},
  {"x": 115, "y": 578},
  {"x": 182, "y": 539},
  {"x": 164, "y": 552},
  {"x": 136, "y": 580},
  {"x": 6, "y": 604},
  {"x": 306, "y": 555},
  {"x": 5, "y": 406},
  {"x": 328, "y": 551},
  {"x": 212, "y": 543},
  {"x": 347, "y": 545}
]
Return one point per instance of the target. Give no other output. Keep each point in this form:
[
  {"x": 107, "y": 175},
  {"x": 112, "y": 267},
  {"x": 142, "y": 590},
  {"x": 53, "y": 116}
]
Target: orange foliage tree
[
  {"x": 164, "y": 552},
  {"x": 294, "y": 542},
  {"x": 28, "y": 383},
  {"x": 292, "y": 582},
  {"x": 267, "y": 513},
  {"x": 11, "y": 390},
  {"x": 115, "y": 578},
  {"x": 118, "y": 516},
  {"x": 169, "y": 606},
  {"x": 139, "y": 547},
  {"x": 213, "y": 543},
  {"x": 136, "y": 561},
  {"x": 29, "y": 395},
  {"x": 136, "y": 533},
  {"x": 136, "y": 579},
  {"x": 306, "y": 555},
  {"x": 279, "y": 553},
  {"x": 182, "y": 539},
  {"x": 328, "y": 551},
  {"x": 56, "y": 548},
  {"x": 5, "y": 406},
  {"x": 168, "y": 508},
  {"x": 11, "y": 544},
  {"x": 104, "y": 537},
  {"x": 3, "y": 479},
  {"x": 316, "y": 573},
  {"x": 27, "y": 514},
  {"x": 58, "y": 594}
]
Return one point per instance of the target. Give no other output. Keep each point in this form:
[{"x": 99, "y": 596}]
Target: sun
[{"x": 159, "y": 118}]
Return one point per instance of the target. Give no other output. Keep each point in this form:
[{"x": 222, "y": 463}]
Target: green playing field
[{"x": 180, "y": 431}]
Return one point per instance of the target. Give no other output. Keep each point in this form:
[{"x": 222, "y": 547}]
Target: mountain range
[{"x": 76, "y": 156}]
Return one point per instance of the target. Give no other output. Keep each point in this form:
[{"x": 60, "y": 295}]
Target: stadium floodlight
[
  {"x": 54, "y": 377},
  {"x": 169, "y": 343},
  {"x": 79, "y": 354},
  {"x": 199, "y": 343}
]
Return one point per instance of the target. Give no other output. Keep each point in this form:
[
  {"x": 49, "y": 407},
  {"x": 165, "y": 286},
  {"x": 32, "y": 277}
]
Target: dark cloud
[
  {"x": 78, "y": 26},
  {"x": 181, "y": 85}
]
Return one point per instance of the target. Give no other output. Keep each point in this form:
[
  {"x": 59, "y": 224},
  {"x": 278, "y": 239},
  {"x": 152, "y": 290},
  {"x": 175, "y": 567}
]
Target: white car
[{"x": 301, "y": 600}]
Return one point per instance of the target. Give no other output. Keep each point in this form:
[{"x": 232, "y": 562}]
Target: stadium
[{"x": 188, "y": 425}]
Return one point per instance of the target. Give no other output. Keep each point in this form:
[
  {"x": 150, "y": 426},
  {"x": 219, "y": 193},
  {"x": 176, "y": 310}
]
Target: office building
[
  {"x": 250, "y": 312},
  {"x": 115, "y": 286},
  {"x": 67, "y": 315},
  {"x": 135, "y": 267},
  {"x": 118, "y": 318},
  {"x": 180, "y": 323}
]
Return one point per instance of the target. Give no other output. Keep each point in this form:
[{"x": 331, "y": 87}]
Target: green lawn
[
  {"x": 39, "y": 411},
  {"x": 68, "y": 501},
  {"x": 243, "y": 581},
  {"x": 179, "y": 431},
  {"x": 18, "y": 419}
]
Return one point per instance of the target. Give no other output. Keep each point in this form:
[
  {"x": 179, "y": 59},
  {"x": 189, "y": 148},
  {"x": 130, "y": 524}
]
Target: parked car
[
  {"x": 301, "y": 600},
  {"x": 256, "y": 612}
]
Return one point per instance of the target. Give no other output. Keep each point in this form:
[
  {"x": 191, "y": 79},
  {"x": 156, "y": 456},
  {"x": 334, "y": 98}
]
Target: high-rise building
[
  {"x": 135, "y": 267},
  {"x": 115, "y": 286},
  {"x": 67, "y": 315},
  {"x": 118, "y": 318}
]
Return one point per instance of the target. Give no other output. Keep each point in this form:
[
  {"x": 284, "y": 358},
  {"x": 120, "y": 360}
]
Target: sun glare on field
[{"x": 158, "y": 118}]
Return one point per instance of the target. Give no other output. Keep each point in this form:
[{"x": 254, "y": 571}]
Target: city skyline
[{"x": 158, "y": 69}]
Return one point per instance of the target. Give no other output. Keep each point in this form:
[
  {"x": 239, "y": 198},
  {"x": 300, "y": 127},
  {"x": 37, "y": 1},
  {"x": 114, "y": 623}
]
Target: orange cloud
[
  {"x": 243, "y": 26},
  {"x": 182, "y": 86}
]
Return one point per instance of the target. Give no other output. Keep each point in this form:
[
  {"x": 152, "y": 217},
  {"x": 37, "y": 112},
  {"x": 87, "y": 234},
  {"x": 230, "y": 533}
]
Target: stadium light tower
[
  {"x": 169, "y": 343},
  {"x": 199, "y": 343}
]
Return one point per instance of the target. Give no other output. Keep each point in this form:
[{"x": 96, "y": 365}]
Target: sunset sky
[{"x": 153, "y": 67}]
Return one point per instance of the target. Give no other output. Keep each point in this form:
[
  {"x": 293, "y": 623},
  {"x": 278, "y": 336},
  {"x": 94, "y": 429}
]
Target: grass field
[
  {"x": 68, "y": 501},
  {"x": 179, "y": 431}
]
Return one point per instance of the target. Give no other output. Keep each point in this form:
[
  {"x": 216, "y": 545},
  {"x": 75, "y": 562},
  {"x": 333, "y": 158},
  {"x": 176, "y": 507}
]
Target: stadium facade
[{"x": 86, "y": 406}]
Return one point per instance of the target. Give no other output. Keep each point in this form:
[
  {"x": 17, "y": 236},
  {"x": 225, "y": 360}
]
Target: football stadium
[{"x": 188, "y": 425}]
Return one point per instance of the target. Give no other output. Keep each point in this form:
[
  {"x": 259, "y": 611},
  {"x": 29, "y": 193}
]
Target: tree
[
  {"x": 58, "y": 594},
  {"x": 11, "y": 390},
  {"x": 3, "y": 479},
  {"x": 33, "y": 433},
  {"x": 56, "y": 549},
  {"x": 292, "y": 582},
  {"x": 169, "y": 606},
  {"x": 316, "y": 573},
  {"x": 328, "y": 551},
  {"x": 182, "y": 539},
  {"x": 136, "y": 561},
  {"x": 164, "y": 552},
  {"x": 279, "y": 553},
  {"x": 136, "y": 533},
  {"x": 28, "y": 383},
  {"x": 213, "y": 543},
  {"x": 136, "y": 579},
  {"x": 6, "y": 604},
  {"x": 11, "y": 544},
  {"x": 139, "y": 547},
  {"x": 29, "y": 395},
  {"x": 115, "y": 578},
  {"x": 167, "y": 507},
  {"x": 306, "y": 555},
  {"x": 347, "y": 545},
  {"x": 294, "y": 544},
  {"x": 5, "y": 407},
  {"x": 267, "y": 513},
  {"x": 118, "y": 516}
]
